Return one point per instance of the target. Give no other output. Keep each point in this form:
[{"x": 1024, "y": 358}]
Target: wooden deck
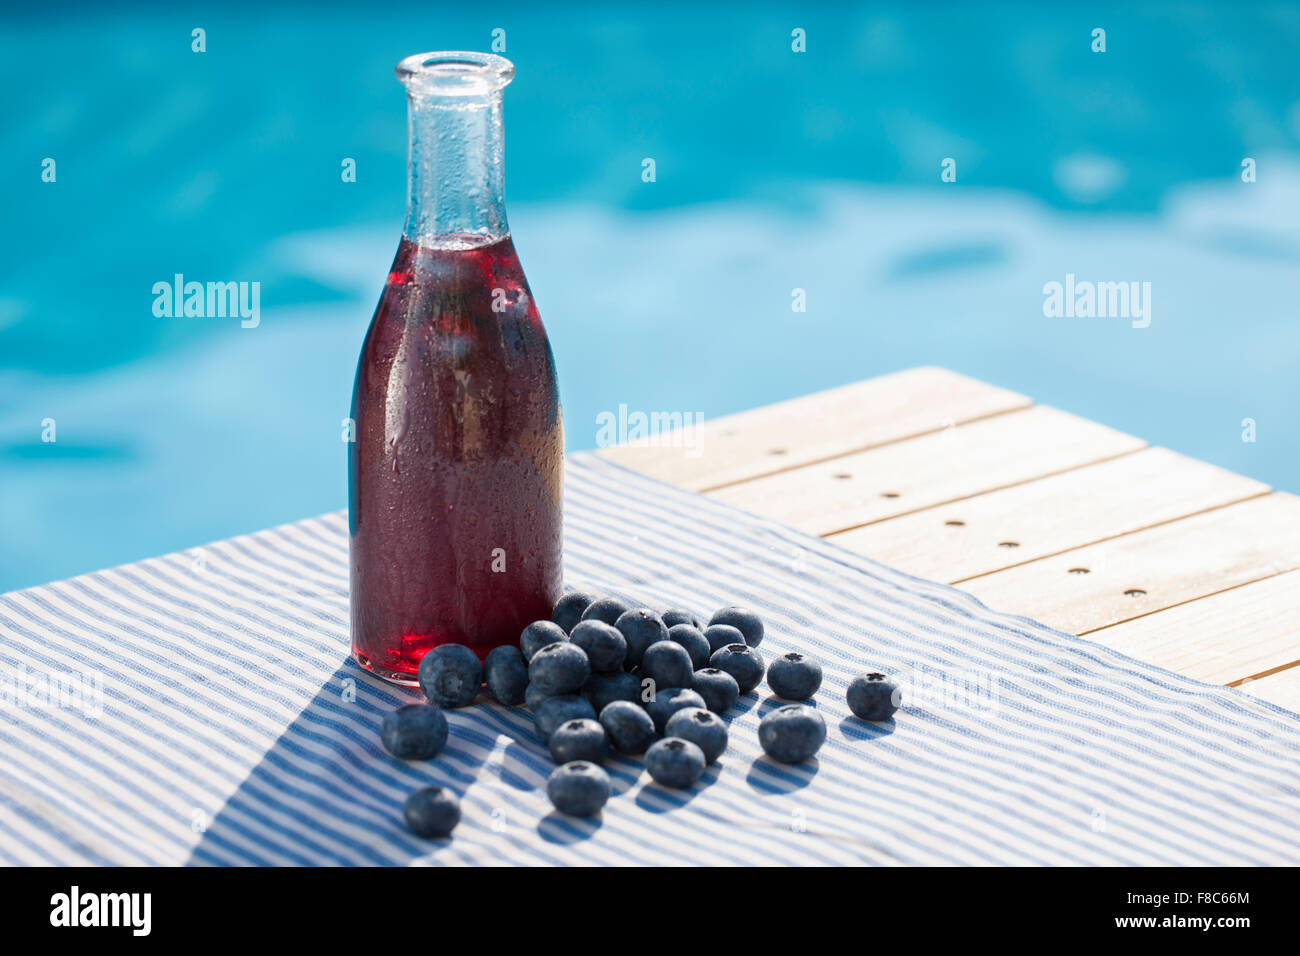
[{"x": 1033, "y": 510}]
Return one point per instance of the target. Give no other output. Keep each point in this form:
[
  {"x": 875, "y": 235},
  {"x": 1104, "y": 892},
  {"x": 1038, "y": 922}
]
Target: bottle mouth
[{"x": 455, "y": 73}]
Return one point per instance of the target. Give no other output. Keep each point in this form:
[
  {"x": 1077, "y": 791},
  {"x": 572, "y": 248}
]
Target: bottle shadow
[{"x": 325, "y": 792}]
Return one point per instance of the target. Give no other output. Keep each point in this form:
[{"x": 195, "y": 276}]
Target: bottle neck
[{"x": 455, "y": 169}]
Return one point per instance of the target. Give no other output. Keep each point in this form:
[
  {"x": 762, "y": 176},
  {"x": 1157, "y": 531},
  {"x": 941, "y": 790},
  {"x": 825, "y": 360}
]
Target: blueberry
[
  {"x": 702, "y": 728},
  {"x": 720, "y": 635},
  {"x": 431, "y": 812},
  {"x": 740, "y": 661},
  {"x": 604, "y": 689},
  {"x": 629, "y": 728},
  {"x": 450, "y": 675},
  {"x": 691, "y": 639},
  {"x": 718, "y": 688},
  {"x": 414, "y": 732},
  {"x": 794, "y": 676},
  {"x": 745, "y": 621},
  {"x": 507, "y": 675},
  {"x": 579, "y": 788},
  {"x": 534, "y": 696},
  {"x": 582, "y": 739},
  {"x": 792, "y": 734},
  {"x": 667, "y": 664},
  {"x": 675, "y": 615},
  {"x": 874, "y": 697},
  {"x": 606, "y": 609},
  {"x": 674, "y": 762},
  {"x": 670, "y": 701},
  {"x": 640, "y": 627},
  {"x": 537, "y": 635},
  {"x": 559, "y": 668},
  {"x": 568, "y": 609},
  {"x": 558, "y": 710},
  {"x": 604, "y": 644}
]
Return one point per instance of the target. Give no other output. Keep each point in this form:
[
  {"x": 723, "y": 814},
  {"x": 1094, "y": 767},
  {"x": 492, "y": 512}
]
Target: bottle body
[
  {"x": 456, "y": 470},
  {"x": 456, "y": 473}
]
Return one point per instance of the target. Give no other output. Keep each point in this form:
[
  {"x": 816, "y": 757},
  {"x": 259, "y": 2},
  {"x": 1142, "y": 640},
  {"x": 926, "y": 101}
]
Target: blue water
[{"x": 775, "y": 170}]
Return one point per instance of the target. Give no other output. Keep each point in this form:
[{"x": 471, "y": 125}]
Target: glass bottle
[{"x": 456, "y": 471}]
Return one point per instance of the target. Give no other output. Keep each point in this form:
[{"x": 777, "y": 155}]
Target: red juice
[{"x": 456, "y": 471}]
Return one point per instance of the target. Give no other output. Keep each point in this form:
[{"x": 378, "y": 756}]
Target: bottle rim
[{"x": 455, "y": 73}]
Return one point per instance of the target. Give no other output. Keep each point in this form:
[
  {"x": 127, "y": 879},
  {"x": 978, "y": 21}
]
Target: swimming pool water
[{"x": 775, "y": 171}]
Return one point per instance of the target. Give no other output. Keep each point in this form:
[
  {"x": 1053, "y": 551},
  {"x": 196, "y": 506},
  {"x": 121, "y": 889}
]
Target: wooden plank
[
  {"x": 1088, "y": 588},
  {"x": 814, "y": 427},
  {"x": 1005, "y": 528},
  {"x": 917, "y": 473},
  {"x": 1282, "y": 688},
  {"x": 1225, "y": 638}
]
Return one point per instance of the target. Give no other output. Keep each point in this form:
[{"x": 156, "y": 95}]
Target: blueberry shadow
[
  {"x": 711, "y": 773},
  {"x": 856, "y": 728},
  {"x": 768, "y": 776},
  {"x": 560, "y": 828},
  {"x": 744, "y": 705},
  {"x": 620, "y": 766},
  {"x": 675, "y": 799},
  {"x": 772, "y": 702}
]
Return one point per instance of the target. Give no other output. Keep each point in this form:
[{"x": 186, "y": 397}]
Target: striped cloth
[{"x": 201, "y": 708}]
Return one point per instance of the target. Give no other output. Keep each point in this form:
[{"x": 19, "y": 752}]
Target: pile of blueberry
[{"x": 604, "y": 676}]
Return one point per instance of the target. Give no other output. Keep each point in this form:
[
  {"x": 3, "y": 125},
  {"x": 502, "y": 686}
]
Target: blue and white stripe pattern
[{"x": 231, "y": 728}]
